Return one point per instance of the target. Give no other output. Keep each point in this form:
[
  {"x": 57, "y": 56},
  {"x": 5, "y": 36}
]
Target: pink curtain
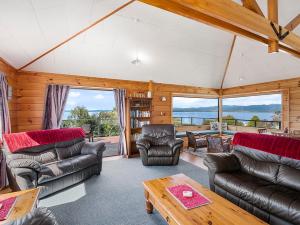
[
  {"x": 5, "y": 118},
  {"x": 55, "y": 103}
]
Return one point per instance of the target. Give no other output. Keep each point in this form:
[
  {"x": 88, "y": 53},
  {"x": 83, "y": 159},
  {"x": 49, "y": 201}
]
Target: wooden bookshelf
[{"x": 139, "y": 113}]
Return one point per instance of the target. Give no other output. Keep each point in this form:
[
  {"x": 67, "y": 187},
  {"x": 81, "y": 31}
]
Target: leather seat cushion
[
  {"x": 59, "y": 169},
  {"x": 276, "y": 199},
  {"x": 160, "y": 151}
]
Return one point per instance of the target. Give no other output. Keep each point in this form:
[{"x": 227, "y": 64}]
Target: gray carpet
[
  {"x": 115, "y": 197},
  {"x": 200, "y": 152}
]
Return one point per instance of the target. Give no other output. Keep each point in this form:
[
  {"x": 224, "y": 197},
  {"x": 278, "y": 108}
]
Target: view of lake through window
[{"x": 240, "y": 111}]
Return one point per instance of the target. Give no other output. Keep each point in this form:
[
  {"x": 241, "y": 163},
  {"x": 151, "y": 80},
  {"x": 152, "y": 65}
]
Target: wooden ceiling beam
[
  {"x": 273, "y": 16},
  {"x": 293, "y": 23},
  {"x": 253, "y": 6},
  {"x": 78, "y": 33},
  {"x": 228, "y": 15},
  {"x": 228, "y": 61}
]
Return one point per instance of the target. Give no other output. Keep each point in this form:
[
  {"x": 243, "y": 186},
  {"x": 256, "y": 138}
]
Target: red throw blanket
[
  {"x": 283, "y": 146},
  {"x": 18, "y": 141}
]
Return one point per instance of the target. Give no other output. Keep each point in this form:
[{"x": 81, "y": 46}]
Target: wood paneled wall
[
  {"x": 290, "y": 98},
  {"x": 10, "y": 73},
  {"x": 29, "y": 89},
  {"x": 162, "y": 110},
  {"x": 32, "y": 90}
]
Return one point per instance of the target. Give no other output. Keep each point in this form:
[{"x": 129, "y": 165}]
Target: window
[
  {"x": 94, "y": 111},
  {"x": 253, "y": 111},
  {"x": 194, "y": 111}
]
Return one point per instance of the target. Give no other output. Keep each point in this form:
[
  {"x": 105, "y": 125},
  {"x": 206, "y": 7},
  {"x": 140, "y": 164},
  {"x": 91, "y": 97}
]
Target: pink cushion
[
  {"x": 18, "y": 141},
  {"x": 282, "y": 146}
]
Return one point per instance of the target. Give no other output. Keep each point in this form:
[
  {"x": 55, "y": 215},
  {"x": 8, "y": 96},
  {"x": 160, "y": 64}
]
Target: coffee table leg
[{"x": 149, "y": 206}]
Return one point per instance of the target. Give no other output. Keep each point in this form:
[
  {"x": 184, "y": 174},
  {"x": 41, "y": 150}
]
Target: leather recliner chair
[
  {"x": 158, "y": 145},
  {"x": 264, "y": 184}
]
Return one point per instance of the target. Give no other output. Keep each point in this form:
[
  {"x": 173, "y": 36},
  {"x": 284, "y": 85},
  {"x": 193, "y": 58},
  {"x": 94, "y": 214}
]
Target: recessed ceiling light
[{"x": 137, "y": 61}]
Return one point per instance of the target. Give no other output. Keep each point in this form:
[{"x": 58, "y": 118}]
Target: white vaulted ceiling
[{"x": 173, "y": 49}]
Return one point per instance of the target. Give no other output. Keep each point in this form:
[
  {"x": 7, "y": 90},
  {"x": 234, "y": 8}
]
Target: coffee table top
[
  {"x": 220, "y": 211},
  {"x": 26, "y": 201}
]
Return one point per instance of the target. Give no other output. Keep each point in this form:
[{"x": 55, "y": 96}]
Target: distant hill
[{"x": 233, "y": 108}]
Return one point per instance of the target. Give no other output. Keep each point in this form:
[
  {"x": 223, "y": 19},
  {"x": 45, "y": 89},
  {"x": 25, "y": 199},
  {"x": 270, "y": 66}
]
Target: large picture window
[
  {"x": 253, "y": 111},
  {"x": 190, "y": 111}
]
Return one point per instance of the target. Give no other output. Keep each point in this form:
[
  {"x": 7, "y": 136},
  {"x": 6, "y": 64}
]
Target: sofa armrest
[
  {"x": 221, "y": 162},
  {"x": 178, "y": 142},
  {"x": 143, "y": 143},
  {"x": 95, "y": 148},
  {"x": 22, "y": 178},
  {"x": 41, "y": 216},
  {"x": 24, "y": 163}
]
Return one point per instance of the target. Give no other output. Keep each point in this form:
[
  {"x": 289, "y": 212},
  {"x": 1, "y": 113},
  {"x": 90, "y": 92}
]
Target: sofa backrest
[
  {"x": 17, "y": 142},
  {"x": 49, "y": 153},
  {"x": 159, "y": 134},
  {"x": 275, "y": 168}
]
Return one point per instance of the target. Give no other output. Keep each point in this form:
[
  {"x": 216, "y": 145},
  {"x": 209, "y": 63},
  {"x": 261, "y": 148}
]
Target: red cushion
[
  {"x": 283, "y": 146},
  {"x": 19, "y": 141}
]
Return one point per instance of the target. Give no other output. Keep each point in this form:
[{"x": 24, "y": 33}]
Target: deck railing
[
  {"x": 197, "y": 121},
  {"x": 100, "y": 127}
]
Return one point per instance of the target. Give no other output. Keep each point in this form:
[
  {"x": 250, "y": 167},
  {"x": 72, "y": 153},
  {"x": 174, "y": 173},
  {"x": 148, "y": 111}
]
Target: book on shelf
[
  {"x": 134, "y": 123},
  {"x": 139, "y": 113}
]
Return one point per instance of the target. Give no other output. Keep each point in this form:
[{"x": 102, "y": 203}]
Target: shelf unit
[{"x": 139, "y": 113}]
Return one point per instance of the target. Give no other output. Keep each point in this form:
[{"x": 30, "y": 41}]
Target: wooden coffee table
[
  {"x": 219, "y": 212},
  {"x": 26, "y": 201}
]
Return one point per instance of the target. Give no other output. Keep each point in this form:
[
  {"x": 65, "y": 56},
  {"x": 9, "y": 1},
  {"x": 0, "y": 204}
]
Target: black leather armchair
[{"x": 158, "y": 145}]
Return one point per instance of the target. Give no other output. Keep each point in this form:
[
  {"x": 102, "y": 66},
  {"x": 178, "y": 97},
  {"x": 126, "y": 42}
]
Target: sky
[
  {"x": 104, "y": 100},
  {"x": 91, "y": 99},
  {"x": 183, "y": 102}
]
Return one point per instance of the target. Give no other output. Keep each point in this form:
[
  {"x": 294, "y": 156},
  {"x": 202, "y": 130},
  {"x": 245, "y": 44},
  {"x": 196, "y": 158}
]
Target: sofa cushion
[
  {"x": 69, "y": 151},
  {"x": 46, "y": 156},
  {"x": 285, "y": 204},
  {"x": 54, "y": 170},
  {"x": 160, "y": 151},
  {"x": 260, "y": 164},
  {"x": 289, "y": 177},
  {"x": 240, "y": 184}
]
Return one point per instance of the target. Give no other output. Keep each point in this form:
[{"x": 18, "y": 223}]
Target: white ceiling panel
[
  {"x": 251, "y": 63},
  {"x": 172, "y": 49}
]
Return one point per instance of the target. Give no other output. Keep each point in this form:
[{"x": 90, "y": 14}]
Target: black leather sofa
[
  {"x": 55, "y": 166},
  {"x": 158, "y": 145},
  {"x": 266, "y": 185}
]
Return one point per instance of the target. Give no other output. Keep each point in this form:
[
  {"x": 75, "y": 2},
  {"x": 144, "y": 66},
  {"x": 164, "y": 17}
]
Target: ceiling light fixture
[{"x": 136, "y": 61}]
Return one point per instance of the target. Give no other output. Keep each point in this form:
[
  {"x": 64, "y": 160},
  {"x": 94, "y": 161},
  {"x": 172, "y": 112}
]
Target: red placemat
[
  {"x": 7, "y": 205},
  {"x": 195, "y": 201}
]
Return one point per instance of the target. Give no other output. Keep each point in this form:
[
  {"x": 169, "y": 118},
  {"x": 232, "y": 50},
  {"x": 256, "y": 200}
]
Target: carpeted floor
[
  {"x": 116, "y": 197},
  {"x": 201, "y": 152}
]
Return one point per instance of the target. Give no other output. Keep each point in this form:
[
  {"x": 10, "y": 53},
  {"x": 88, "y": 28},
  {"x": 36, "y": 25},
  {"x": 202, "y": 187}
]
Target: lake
[{"x": 238, "y": 115}]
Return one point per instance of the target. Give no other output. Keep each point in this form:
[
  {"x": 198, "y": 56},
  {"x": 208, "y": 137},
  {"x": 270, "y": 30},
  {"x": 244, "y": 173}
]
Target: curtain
[
  {"x": 55, "y": 103},
  {"x": 5, "y": 118},
  {"x": 3, "y": 177},
  {"x": 120, "y": 106}
]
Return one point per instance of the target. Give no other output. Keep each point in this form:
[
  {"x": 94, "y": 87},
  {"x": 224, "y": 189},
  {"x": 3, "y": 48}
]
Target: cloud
[
  {"x": 74, "y": 94},
  {"x": 254, "y": 100},
  {"x": 99, "y": 96},
  {"x": 184, "y": 102}
]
